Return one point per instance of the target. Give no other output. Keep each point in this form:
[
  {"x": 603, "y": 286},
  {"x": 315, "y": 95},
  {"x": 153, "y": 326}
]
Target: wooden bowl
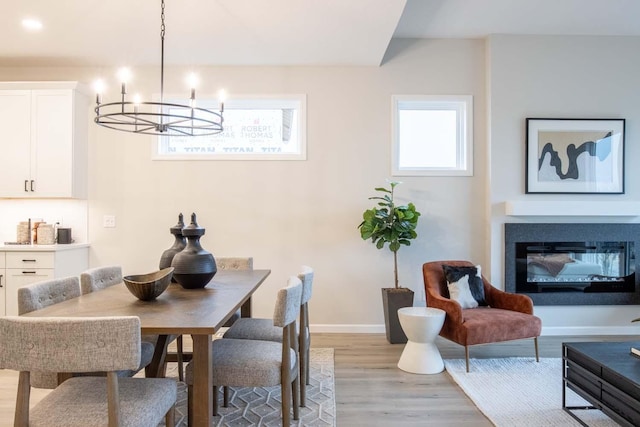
[{"x": 147, "y": 287}]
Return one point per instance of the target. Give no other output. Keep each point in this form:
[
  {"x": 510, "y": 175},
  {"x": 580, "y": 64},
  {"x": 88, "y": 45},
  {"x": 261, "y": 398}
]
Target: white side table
[{"x": 421, "y": 325}]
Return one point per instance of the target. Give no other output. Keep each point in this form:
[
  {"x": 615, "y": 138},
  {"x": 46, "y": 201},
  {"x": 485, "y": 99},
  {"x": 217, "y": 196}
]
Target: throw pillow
[
  {"x": 453, "y": 275},
  {"x": 459, "y": 291}
]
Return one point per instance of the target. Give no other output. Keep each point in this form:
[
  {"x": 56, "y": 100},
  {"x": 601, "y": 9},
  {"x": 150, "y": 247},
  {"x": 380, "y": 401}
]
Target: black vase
[
  {"x": 178, "y": 245},
  {"x": 194, "y": 266}
]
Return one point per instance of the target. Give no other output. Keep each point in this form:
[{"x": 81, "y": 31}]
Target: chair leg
[
  {"x": 296, "y": 397},
  {"x": 215, "y": 400},
  {"x": 302, "y": 377},
  {"x": 170, "y": 418},
  {"x": 180, "y": 364},
  {"x": 466, "y": 356},
  {"x": 306, "y": 362},
  {"x": 285, "y": 397},
  {"x": 535, "y": 343},
  {"x": 189, "y": 406},
  {"x": 225, "y": 394}
]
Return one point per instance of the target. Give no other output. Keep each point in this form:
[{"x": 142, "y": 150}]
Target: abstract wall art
[{"x": 572, "y": 156}]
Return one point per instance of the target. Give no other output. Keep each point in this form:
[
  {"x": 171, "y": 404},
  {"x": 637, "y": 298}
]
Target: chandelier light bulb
[
  {"x": 137, "y": 99},
  {"x": 99, "y": 87},
  {"x": 193, "y": 80}
]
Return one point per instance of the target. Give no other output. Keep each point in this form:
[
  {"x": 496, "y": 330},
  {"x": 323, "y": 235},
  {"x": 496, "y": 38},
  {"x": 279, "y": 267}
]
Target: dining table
[{"x": 177, "y": 311}]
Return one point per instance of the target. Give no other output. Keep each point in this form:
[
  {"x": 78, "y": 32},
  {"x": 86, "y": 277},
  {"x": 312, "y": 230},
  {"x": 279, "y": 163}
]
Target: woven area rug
[
  {"x": 514, "y": 392},
  {"x": 260, "y": 406}
]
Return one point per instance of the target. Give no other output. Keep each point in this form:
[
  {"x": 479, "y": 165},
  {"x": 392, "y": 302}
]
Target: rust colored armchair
[{"x": 507, "y": 316}]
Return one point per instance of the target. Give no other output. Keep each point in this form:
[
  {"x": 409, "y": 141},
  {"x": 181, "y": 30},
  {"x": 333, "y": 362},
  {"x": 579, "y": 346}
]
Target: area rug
[
  {"x": 260, "y": 406},
  {"x": 514, "y": 392}
]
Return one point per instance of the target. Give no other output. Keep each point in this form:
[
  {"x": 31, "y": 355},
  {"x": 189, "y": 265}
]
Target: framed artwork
[{"x": 573, "y": 156}]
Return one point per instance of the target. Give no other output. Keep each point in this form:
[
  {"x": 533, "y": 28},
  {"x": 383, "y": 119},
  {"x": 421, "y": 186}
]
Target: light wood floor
[{"x": 372, "y": 391}]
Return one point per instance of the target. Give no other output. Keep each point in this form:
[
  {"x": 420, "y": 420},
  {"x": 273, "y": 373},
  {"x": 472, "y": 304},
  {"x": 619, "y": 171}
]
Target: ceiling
[{"x": 280, "y": 32}]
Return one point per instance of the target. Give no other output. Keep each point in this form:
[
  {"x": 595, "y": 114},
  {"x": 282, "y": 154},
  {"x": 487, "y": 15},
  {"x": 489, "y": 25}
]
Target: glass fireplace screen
[{"x": 575, "y": 266}]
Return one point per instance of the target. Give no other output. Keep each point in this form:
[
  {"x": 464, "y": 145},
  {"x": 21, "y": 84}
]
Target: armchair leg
[
  {"x": 466, "y": 356},
  {"x": 170, "y": 417},
  {"x": 535, "y": 342}
]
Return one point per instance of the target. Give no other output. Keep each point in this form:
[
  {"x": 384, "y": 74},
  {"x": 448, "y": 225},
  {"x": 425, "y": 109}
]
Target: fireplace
[{"x": 573, "y": 264}]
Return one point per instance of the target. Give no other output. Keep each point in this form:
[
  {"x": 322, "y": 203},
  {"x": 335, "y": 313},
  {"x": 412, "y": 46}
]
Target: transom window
[
  {"x": 255, "y": 128},
  {"x": 432, "y": 135}
]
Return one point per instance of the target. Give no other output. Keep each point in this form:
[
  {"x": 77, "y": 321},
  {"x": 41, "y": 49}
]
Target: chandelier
[{"x": 157, "y": 118}]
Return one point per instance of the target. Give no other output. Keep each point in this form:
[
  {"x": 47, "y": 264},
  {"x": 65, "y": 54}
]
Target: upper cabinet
[{"x": 44, "y": 143}]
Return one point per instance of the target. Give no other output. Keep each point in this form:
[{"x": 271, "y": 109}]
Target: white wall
[
  {"x": 285, "y": 214},
  {"x": 559, "y": 77}
]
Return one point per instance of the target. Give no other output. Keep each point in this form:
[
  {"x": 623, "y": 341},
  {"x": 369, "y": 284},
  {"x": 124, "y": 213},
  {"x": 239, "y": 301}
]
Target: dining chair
[
  {"x": 84, "y": 344},
  {"x": 256, "y": 363},
  {"x": 43, "y": 294},
  {"x": 234, "y": 263},
  {"x": 264, "y": 329},
  {"x": 96, "y": 279}
]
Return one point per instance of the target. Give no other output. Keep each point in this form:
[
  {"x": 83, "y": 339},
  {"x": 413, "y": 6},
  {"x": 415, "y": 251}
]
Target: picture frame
[{"x": 574, "y": 156}]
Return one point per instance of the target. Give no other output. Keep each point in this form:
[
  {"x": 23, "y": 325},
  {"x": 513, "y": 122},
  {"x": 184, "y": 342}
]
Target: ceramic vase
[
  {"x": 194, "y": 266},
  {"x": 178, "y": 245}
]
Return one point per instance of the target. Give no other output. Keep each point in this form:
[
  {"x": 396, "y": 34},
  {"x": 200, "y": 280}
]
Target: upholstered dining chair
[
  {"x": 63, "y": 344},
  {"x": 256, "y": 363},
  {"x": 264, "y": 329},
  {"x": 506, "y": 316},
  {"x": 43, "y": 294},
  {"x": 234, "y": 263},
  {"x": 96, "y": 279}
]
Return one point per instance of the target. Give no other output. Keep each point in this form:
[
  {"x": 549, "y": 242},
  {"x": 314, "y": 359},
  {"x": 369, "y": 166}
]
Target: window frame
[
  {"x": 463, "y": 105},
  {"x": 263, "y": 101}
]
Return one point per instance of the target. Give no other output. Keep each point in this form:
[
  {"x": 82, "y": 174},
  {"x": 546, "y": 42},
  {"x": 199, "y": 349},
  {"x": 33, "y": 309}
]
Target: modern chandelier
[{"x": 157, "y": 118}]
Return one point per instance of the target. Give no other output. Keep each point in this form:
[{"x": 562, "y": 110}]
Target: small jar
[{"x": 46, "y": 234}]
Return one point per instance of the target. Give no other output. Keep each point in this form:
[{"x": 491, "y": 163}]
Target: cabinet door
[
  {"x": 17, "y": 278},
  {"x": 52, "y": 143},
  {"x": 15, "y": 145},
  {"x": 3, "y": 289}
]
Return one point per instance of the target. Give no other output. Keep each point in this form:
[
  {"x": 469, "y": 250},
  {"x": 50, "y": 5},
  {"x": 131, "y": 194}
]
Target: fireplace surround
[{"x": 573, "y": 264}]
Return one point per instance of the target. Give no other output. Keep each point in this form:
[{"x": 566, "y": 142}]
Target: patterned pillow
[{"x": 465, "y": 285}]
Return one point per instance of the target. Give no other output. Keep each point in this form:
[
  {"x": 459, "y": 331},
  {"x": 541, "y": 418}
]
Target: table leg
[
  {"x": 245, "y": 309},
  {"x": 155, "y": 369},
  {"x": 202, "y": 382}
]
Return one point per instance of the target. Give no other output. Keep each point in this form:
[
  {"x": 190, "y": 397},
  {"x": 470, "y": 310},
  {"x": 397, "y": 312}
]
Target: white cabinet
[
  {"x": 26, "y": 267},
  {"x": 44, "y": 144},
  {"x": 3, "y": 282}
]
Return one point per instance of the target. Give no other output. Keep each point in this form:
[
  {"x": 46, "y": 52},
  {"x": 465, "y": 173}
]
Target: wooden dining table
[{"x": 177, "y": 311}]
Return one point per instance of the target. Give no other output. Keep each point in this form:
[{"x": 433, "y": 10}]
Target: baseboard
[
  {"x": 348, "y": 329},
  {"x": 590, "y": 330},
  {"x": 547, "y": 330}
]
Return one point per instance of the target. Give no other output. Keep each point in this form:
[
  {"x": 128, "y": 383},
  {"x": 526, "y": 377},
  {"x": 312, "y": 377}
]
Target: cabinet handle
[
  {"x": 1, "y": 276},
  {"x": 32, "y": 181},
  {"x": 28, "y": 260},
  {"x": 28, "y": 272},
  {"x": 25, "y": 185}
]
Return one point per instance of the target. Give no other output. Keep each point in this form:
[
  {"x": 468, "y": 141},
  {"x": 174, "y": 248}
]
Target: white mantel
[{"x": 571, "y": 208}]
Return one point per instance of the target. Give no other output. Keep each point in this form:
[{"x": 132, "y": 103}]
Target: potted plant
[{"x": 392, "y": 225}]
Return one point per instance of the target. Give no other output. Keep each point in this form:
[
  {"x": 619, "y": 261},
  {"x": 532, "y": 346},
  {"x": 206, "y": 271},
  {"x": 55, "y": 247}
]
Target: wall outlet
[{"x": 109, "y": 221}]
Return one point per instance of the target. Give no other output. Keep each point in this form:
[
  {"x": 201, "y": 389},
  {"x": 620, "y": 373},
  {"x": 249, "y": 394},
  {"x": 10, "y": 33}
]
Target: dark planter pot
[{"x": 392, "y": 300}]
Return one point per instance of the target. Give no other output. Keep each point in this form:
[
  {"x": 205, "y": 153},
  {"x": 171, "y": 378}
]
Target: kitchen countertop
[{"x": 42, "y": 248}]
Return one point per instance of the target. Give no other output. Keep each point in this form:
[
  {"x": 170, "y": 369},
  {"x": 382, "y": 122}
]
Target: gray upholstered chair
[
  {"x": 96, "y": 279},
  {"x": 255, "y": 363},
  {"x": 234, "y": 263},
  {"x": 43, "y": 294},
  {"x": 263, "y": 329},
  {"x": 63, "y": 344}
]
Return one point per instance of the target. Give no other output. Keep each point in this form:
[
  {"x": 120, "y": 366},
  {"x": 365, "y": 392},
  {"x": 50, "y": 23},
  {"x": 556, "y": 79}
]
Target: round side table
[{"x": 421, "y": 325}]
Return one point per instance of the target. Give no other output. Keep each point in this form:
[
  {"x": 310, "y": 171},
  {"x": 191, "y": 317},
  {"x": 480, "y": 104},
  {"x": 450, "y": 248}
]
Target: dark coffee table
[{"x": 607, "y": 376}]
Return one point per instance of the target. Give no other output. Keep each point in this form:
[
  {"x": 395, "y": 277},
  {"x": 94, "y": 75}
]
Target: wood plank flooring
[{"x": 372, "y": 391}]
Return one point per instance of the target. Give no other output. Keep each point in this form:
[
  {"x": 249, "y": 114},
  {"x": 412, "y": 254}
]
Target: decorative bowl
[{"x": 147, "y": 287}]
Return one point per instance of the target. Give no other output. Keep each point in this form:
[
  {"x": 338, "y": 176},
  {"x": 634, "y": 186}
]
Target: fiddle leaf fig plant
[{"x": 388, "y": 223}]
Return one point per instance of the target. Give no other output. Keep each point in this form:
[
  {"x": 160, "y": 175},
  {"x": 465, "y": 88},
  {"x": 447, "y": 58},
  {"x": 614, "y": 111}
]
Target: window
[
  {"x": 432, "y": 135},
  {"x": 255, "y": 128}
]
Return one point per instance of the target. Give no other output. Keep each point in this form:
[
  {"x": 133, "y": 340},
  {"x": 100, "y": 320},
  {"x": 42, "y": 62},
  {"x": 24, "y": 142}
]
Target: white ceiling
[{"x": 281, "y": 32}]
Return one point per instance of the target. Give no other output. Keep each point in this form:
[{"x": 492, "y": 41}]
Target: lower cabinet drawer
[{"x": 30, "y": 260}]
